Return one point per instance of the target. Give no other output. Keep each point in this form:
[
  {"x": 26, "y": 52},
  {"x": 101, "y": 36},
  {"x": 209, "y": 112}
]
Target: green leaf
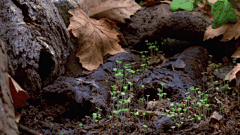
[
  {"x": 223, "y": 13},
  {"x": 106, "y": 54},
  {"x": 182, "y": 4},
  {"x": 142, "y": 3}
]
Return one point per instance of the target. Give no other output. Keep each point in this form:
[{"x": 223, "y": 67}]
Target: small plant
[
  {"x": 169, "y": 100},
  {"x": 145, "y": 128},
  {"x": 80, "y": 126},
  {"x": 162, "y": 85},
  {"x": 106, "y": 54},
  {"x": 234, "y": 60},
  {"x": 149, "y": 114},
  {"x": 95, "y": 118},
  {"x": 185, "y": 110},
  {"x": 196, "y": 103},
  {"x": 142, "y": 3},
  {"x": 194, "y": 90},
  {"x": 87, "y": 117},
  {"x": 119, "y": 62},
  {"x": 160, "y": 94},
  {"x": 173, "y": 127},
  {"x": 179, "y": 125},
  {"x": 110, "y": 118},
  {"x": 219, "y": 102}
]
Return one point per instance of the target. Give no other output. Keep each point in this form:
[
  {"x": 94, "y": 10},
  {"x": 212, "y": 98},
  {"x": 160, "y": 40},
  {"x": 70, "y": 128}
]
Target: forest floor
[{"x": 212, "y": 109}]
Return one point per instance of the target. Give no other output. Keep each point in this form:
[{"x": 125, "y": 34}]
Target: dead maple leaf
[
  {"x": 96, "y": 37},
  {"x": 232, "y": 74},
  {"x": 115, "y": 10},
  {"x": 236, "y": 54},
  {"x": 229, "y": 31},
  {"x": 19, "y": 96}
]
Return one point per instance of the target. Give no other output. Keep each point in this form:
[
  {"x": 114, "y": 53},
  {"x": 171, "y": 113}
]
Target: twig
[{"x": 28, "y": 130}]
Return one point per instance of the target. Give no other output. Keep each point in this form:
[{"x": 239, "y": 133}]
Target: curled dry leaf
[
  {"x": 232, "y": 74},
  {"x": 96, "y": 37},
  {"x": 210, "y": 33},
  {"x": 19, "y": 96},
  {"x": 115, "y": 10},
  {"x": 215, "y": 117},
  {"x": 236, "y": 54}
]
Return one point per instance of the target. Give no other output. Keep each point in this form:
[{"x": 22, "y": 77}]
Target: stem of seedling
[
  {"x": 162, "y": 85},
  {"x": 219, "y": 102},
  {"x": 173, "y": 127}
]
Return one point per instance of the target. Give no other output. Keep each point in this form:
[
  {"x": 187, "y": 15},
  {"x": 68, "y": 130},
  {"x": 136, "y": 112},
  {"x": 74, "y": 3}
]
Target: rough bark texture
[
  {"x": 37, "y": 42},
  {"x": 8, "y": 125}
]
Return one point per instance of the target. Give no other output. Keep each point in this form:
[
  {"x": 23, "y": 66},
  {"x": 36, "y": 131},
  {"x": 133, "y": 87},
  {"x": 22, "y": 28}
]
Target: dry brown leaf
[
  {"x": 115, "y": 10},
  {"x": 19, "y": 96},
  {"x": 236, "y": 54},
  {"x": 210, "y": 33},
  {"x": 212, "y": 1},
  {"x": 232, "y": 74},
  {"x": 232, "y": 32},
  {"x": 229, "y": 31},
  {"x": 166, "y": 1},
  {"x": 96, "y": 37},
  {"x": 17, "y": 117}
]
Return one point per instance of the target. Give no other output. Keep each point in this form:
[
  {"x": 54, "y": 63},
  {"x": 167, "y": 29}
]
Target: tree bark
[
  {"x": 8, "y": 124},
  {"x": 37, "y": 42}
]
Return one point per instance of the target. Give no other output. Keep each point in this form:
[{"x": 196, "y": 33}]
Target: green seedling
[
  {"x": 145, "y": 128},
  {"x": 173, "y": 127}
]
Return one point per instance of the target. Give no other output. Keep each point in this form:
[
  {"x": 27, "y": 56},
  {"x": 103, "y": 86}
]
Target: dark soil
[{"x": 61, "y": 117}]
